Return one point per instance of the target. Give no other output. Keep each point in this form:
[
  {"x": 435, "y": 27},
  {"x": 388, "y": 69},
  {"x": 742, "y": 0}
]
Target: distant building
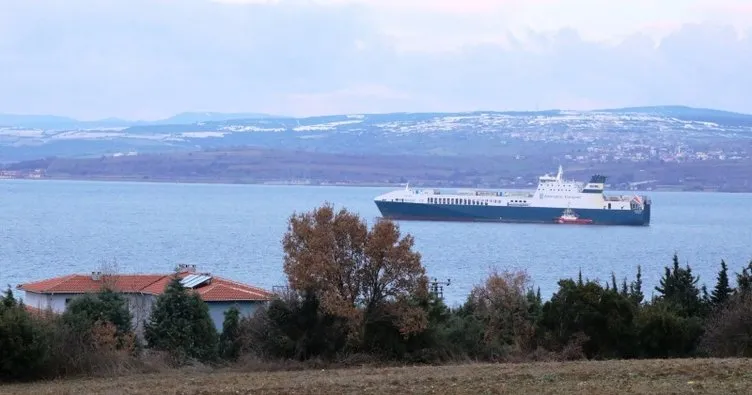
[{"x": 141, "y": 291}]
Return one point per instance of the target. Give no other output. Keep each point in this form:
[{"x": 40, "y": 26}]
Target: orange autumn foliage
[
  {"x": 501, "y": 303},
  {"x": 356, "y": 273}
]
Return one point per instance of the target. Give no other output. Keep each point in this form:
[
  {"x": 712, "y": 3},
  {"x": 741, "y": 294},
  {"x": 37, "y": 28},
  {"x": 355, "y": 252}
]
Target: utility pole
[{"x": 437, "y": 288}]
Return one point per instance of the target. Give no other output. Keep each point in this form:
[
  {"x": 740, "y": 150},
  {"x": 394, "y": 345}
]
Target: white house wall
[
  {"x": 217, "y": 310},
  {"x": 56, "y": 302},
  {"x": 140, "y": 307}
]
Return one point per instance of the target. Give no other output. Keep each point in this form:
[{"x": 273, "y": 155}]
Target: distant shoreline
[{"x": 151, "y": 180}]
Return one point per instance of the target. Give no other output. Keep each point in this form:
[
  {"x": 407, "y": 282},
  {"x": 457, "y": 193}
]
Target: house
[{"x": 141, "y": 291}]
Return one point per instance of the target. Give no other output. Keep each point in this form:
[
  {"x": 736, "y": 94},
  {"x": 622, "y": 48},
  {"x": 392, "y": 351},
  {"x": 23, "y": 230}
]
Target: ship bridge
[
  {"x": 597, "y": 184},
  {"x": 551, "y": 186}
]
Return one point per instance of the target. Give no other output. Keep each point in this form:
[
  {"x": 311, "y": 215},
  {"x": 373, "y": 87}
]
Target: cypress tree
[
  {"x": 635, "y": 291},
  {"x": 229, "y": 340}
]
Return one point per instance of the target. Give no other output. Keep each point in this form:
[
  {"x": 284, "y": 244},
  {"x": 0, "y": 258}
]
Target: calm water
[{"x": 51, "y": 228}]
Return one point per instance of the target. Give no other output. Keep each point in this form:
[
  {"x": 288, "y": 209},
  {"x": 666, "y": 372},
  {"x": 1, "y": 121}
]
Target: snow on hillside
[{"x": 474, "y": 133}]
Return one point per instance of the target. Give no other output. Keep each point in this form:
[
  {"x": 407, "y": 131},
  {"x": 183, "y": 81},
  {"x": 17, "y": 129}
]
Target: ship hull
[{"x": 508, "y": 214}]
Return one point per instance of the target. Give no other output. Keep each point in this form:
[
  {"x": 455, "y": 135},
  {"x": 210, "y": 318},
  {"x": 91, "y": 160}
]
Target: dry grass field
[{"x": 707, "y": 376}]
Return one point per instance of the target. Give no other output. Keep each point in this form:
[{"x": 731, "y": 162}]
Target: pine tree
[
  {"x": 8, "y": 300},
  {"x": 180, "y": 324},
  {"x": 678, "y": 287},
  {"x": 722, "y": 290}
]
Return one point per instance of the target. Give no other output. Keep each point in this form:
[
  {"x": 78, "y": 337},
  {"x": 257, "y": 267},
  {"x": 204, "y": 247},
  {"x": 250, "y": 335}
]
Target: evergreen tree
[
  {"x": 24, "y": 345},
  {"x": 106, "y": 306},
  {"x": 535, "y": 304},
  {"x": 229, "y": 340},
  {"x": 606, "y": 318},
  {"x": 635, "y": 289},
  {"x": 180, "y": 324},
  {"x": 8, "y": 300},
  {"x": 744, "y": 280},
  {"x": 678, "y": 288},
  {"x": 722, "y": 290}
]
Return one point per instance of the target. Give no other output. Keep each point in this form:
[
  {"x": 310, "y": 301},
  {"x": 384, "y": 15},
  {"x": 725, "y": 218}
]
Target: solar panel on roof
[{"x": 194, "y": 280}]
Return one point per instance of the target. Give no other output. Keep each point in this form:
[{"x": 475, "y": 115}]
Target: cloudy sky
[{"x": 148, "y": 59}]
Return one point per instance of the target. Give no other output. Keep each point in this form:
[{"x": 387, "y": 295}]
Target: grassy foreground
[{"x": 716, "y": 376}]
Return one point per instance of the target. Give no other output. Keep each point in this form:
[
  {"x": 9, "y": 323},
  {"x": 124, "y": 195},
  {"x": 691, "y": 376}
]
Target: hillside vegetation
[{"x": 255, "y": 165}]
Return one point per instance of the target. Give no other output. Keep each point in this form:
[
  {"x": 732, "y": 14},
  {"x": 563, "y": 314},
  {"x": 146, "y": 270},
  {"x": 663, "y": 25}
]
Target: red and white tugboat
[{"x": 569, "y": 217}]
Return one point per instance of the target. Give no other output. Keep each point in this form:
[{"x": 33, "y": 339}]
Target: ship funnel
[{"x": 560, "y": 173}]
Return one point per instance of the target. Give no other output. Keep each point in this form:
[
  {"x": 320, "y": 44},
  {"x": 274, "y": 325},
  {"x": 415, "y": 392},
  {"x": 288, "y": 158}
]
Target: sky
[{"x": 150, "y": 59}]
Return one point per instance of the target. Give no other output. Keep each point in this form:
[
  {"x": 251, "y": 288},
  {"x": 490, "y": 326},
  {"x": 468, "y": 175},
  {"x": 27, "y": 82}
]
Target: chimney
[
  {"x": 96, "y": 276},
  {"x": 186, "y": 268}
]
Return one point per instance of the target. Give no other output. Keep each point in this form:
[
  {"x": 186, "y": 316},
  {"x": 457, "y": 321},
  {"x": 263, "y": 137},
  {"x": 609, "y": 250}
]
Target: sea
[{"x": 52, "y": 228}]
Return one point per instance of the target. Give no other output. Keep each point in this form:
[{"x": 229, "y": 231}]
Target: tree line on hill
[
  {"x": 502, "y": 169},
  {"x": 358, "y": 294}
]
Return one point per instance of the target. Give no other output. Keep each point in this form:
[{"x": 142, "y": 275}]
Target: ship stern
[{"x": 647, "y": 203}]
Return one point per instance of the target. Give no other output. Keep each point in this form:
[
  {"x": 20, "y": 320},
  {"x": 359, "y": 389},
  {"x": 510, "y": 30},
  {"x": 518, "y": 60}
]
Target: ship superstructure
[{"x": 554, "y": 196}]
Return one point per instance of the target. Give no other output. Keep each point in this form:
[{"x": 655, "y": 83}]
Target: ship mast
[{"x": 559, "y": 174}]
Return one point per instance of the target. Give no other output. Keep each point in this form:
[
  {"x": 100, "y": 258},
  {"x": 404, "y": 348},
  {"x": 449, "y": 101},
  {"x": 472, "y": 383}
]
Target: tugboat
[{"x": 569, "y": 217}]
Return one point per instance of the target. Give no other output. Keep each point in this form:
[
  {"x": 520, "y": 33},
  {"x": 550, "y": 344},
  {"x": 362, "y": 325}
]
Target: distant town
[{"x": 651, "y": 148}]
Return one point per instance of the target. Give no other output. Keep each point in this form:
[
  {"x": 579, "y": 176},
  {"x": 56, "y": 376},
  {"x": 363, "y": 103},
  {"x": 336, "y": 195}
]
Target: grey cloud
[{"x": 138, "y": 58}]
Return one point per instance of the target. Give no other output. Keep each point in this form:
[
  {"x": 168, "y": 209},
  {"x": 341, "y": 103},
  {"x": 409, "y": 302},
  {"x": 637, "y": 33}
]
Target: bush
[
  {"x": 23, "y": 342},
  {"x": 293, "y": 327},
  {"x": 665, "y": 333},
  {"x": 728, "y": 331},
  {"x": 498, "y": 318},
  {"x": 605, "y": 317},
  {"x": 88, "y": 314}
]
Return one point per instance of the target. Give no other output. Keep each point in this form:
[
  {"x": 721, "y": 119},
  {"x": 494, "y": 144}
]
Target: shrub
[
  {"x": 728, "y": 330},
  {"x": 23, "y": 342}
]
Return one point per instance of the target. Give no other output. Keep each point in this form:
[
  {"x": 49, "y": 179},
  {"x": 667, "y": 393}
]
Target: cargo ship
[{"x": 555, "y": 201}]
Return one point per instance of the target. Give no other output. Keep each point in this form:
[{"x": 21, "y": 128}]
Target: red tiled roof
[{"x": 217, "y": 290}]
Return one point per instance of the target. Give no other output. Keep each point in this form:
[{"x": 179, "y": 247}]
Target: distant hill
[
  {"x": 687, "y": 113},
  {"x": 40, "y": 121},
  {"x": 61, "y": 123},
  {"x": 196, "y": 117},
  {"x": 636, "y": 133}
]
